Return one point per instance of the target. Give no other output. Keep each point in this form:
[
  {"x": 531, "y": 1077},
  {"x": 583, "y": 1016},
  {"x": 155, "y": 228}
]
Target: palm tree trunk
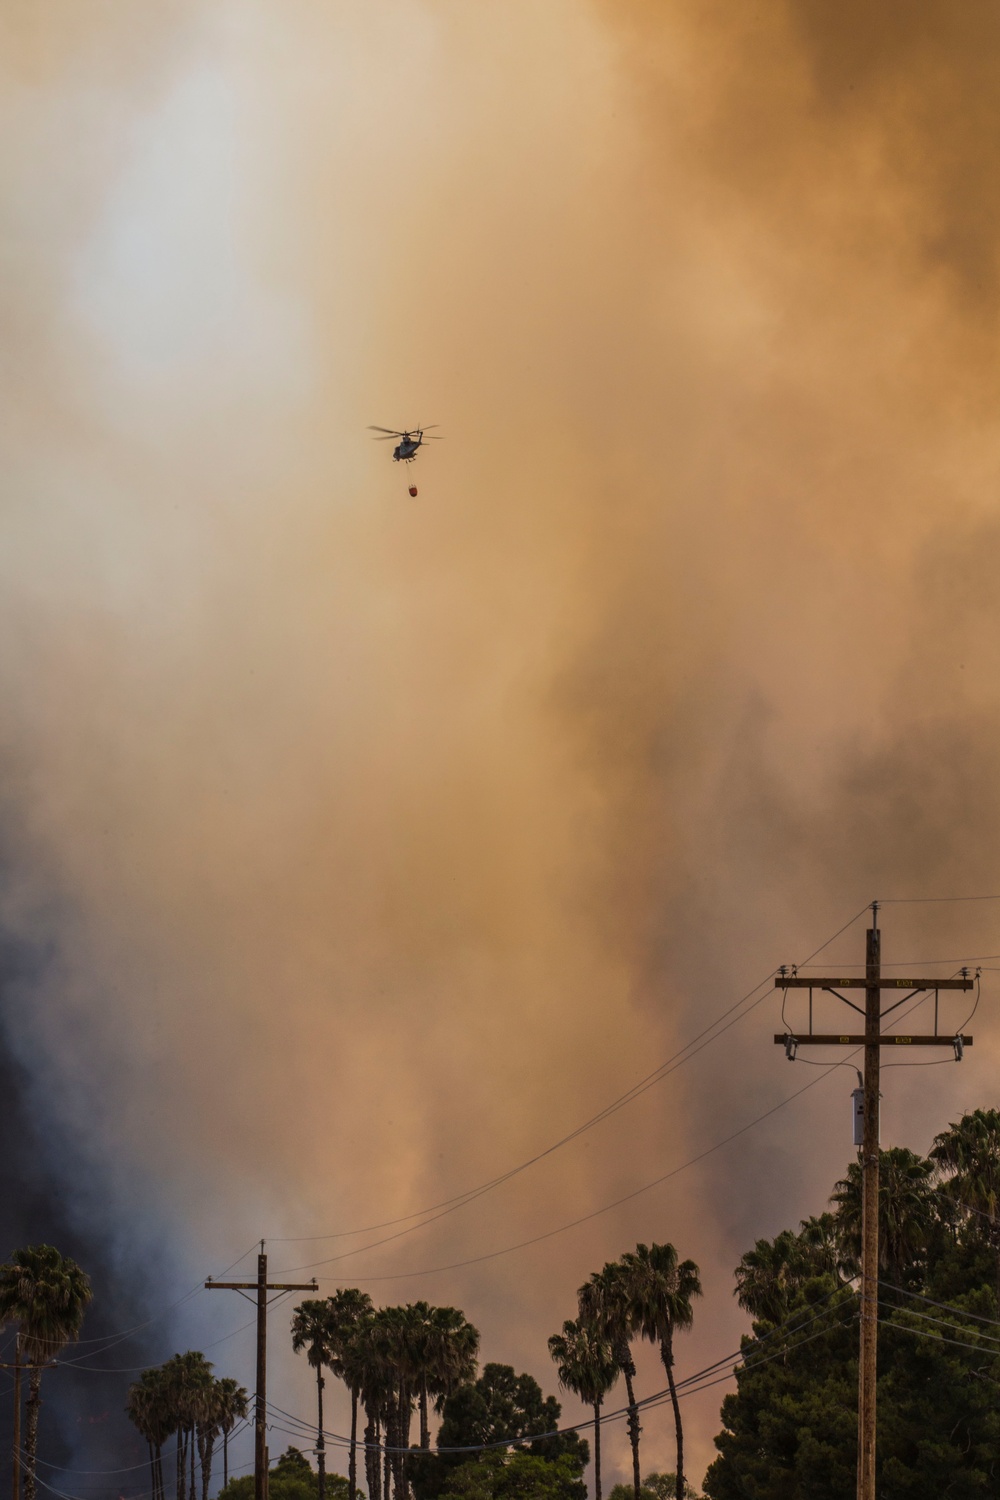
[
  {"x": 158, "y": 1486},
  {"x": 425, "y": 1426},
  {"x": 352, "y": 1462},
  {"x": 597, "y": 1450},
  {"x": 373, "y": 1467},
  {"x": 31, "y": 1431},
  {"x": 194, "y": 1489},
  {"x": 667, "y": 1355},
  {"x": 225, "y": 1457},
  {"x": 404, "y": 1409},
  {"x": 394, "y": 1439},
  {"x": 320, "y": 1441},
  {"x": 628, "y": 1370},
  {"x": 206, "y": 1448},
  {"x": 152, "y": 1469},
  {"x": 181, "y": 1490}
]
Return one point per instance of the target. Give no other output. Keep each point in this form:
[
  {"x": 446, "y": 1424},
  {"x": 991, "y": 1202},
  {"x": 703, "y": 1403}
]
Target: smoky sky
[{"x": 363, "y": 846}]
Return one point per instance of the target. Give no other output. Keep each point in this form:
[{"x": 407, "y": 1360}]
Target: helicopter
[{"x": 405, "y": 450}]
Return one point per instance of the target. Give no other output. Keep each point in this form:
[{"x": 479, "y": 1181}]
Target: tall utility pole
[
  {"x": 261, "y": 1286},
  {"x": 16, "y": 1481},
  {"x": 873, "y": 1039}
]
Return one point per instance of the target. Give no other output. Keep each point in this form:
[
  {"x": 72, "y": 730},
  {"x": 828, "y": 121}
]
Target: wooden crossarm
[
  {"x": 796, "y": 982},
  {"x": 889, "y": 1039}
]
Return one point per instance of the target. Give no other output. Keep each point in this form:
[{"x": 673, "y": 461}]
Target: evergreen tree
[{"x": 790, "y": 1428}]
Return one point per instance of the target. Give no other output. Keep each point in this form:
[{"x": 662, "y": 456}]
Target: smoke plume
[{"x": 363, "y": 846}]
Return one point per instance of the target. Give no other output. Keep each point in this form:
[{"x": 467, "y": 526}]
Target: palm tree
[
  {"x": 147, "y": 1407},
  {"x": 361, "y": 1366},
  {"x": 770, "y": 1274},
  {"x": 587, "y": 1366},
  {"x": 400, "y": 1340},
  {"x": 662, "y": 1288},
  {"x": 215, "y": 1402},
  {"x": 46, "y": 1295},
  {"x": 311, "y": 1330},
  {"x": 606, "y": 1304},
  {"x": 139, "y": 1410},
  {"x": 451, "y": 1353},
  {"x": 187, "y": 1385},
  {"x": 967, "y": 1156},
  {"x": 905, "y": 1213},
  {"x": 765, "y": 1276},
  {"x": 233, "y": 1406},
  {"x": 349, "y": 1308}
]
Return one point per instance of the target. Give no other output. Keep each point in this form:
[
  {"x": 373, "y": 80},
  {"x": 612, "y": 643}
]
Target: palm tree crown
[
  {"x": 662, "y": 1288},
  {"x": 46, "y": 1294},
  {"x": 967, "y": 1156},
  {"x": 905, "y": 1213},
  {"x": 587, "y": 1366},
  {"x": 605, "y": 1303}
]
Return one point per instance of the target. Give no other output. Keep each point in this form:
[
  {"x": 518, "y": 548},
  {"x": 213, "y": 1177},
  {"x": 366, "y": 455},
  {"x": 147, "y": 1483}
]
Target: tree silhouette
[
  {"x": 967, "y": 1155},
  {"x": 586, "y": 1365},
  {"x": 312, "y": 1330},
  {"x": 46, "y": 1294},
  {"x": 606, "y": 1304},
  {"x": 661, "y": 1289}
]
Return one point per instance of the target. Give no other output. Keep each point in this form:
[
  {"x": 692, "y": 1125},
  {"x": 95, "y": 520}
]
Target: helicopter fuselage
[{"x": 406, "y": 451}]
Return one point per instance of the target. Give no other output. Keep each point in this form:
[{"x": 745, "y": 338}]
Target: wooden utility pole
[
  {"x": 873, "y": 1040},
  {"x": 17, "y": 1365},
  {"x": 261, "y": 1287},
  {"x": 16, "y": 1482}
]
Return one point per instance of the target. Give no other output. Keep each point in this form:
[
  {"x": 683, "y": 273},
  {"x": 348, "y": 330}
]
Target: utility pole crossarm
[
  {"x": 272, "y": 1286},
  {"x": 887, "y": 1039},
  {"x": 796, "y": 982}
]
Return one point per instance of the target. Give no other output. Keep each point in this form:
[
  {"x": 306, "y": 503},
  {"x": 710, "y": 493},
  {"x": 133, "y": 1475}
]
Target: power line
[
  {"x": 944, "y": 1306},
  {"x": 991, "y": 1344},
  {"x": 683, "y": 1054},
  {"x": 111, "y": 1339},
  {"x": 925, "y": 900},
  {"x": 656, "y": 1076},
  {"x": 689, "y": 1386},
  {"x": 126, "y": 1469},
  {"x": 938, "y": 1337},
  {"x": 137, "y": 1369},
  {"x": 584, "y": 1218},
  {"x": 596, "y": 1213},
  {"x": 471, "y": 1194}
]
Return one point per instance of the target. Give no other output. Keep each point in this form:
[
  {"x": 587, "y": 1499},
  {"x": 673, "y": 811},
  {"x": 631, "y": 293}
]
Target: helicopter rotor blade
[{"x": 389, "y": 431}]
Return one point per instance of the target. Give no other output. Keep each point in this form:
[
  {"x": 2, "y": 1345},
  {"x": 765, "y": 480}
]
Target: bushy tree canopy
[
  {"x": 517, "y": 1476},
  {"x": 291, "y": 1478},
  {"x": 654, "y": 1487},
  {"x": 790, "y": 1429},
  {"x": 499, "y": 1405}
]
